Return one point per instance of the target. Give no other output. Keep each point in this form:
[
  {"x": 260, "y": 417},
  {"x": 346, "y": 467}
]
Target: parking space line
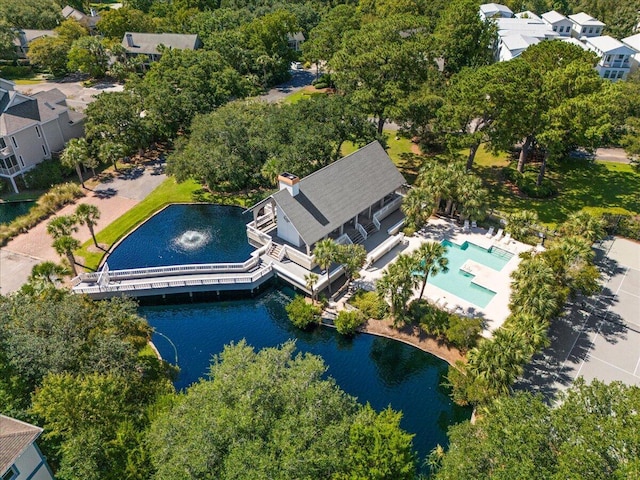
[
  {"x": 612, "y": 365},
  {"x": 637, "y": 366}
]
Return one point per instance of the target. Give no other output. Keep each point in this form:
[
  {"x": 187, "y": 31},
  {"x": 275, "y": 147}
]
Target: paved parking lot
[{"x": 599, "y": 338}]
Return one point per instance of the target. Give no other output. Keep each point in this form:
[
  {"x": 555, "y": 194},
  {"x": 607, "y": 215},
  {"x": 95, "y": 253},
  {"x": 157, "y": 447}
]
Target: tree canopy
[{"x": 273, "y": 414}]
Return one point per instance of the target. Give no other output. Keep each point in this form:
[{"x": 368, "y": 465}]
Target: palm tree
[
  {"x": 352, "y": 257},
  {"x": 75, "y": 154},
  {"x": 62, "y": 226},
  {"x": 431, "y": 260},
  {"x": 417, "y": 207},
  {"x": 88, "y": 215},
  {"x": 397, "y": 283},
  {"x": 311, "y": 279},
  {"x": 110, "y": 152},
  {"x": 325, "y": 254},
  {"x": 65, "y": 245},
  {"x": 46, "y": 274},
  {"x": 584, "y": 225}
]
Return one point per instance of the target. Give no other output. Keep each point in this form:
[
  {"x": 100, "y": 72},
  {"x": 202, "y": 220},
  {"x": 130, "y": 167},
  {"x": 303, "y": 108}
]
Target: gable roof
[
  {"x": 609, "y": 45},
  {"x": 491, "y": 9},
  {"x": 553, "y": 17},
  {"x": 83, "y": 18},
  {"x": 633, "y": 41},
  {"x": 15, "y": 438},
  {"x": 331, "y": 196},
  {"x": 585, "y": 19},
  {"x": 148, "y": 43}
]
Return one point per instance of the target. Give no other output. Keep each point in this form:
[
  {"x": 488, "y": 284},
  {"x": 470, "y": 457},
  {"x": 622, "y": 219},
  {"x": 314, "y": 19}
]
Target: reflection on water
[{"x": 377, "y": 370}]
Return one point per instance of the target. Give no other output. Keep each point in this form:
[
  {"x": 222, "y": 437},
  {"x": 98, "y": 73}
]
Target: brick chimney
[{"x": 289, "y": 181}]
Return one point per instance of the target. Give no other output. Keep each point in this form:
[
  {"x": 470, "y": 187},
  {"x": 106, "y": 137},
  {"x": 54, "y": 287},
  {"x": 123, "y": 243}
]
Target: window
[
  {"x": 620, "y": 57},
  {"x": 555, "y": 29},
  {"x": 44, "y": 150},
  {"x": 9, "y": 162},
  {"x": 620, "y": 73},
  {"x": 591, "y": 30},
  {"x": 13, "y": 140},
  {"x": 606, "y": 73},
  {"x": 21, "y": 161},
  {"x": 38, "y": 131},
  {"x": 2, "y": 143},
  {"x": 10, "y": 474},
  {"x": 608, "y": 59}
]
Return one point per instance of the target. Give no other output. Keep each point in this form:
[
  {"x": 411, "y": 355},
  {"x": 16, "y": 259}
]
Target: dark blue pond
[
  {"x": 377, "y": 370},
  {"x": 185, "y": 234},
  {"x": 9, "y": 211}
]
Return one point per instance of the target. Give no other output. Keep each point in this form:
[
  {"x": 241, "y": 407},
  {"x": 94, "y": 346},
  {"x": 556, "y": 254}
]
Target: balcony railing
[{"x": 10, "y": 171}]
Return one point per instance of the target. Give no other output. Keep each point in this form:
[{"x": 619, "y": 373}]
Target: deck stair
[
  {"x": 370, "y": 228},
  {"x": 275, "y": 250},
  {"x": 267, "y": 225},
  {"x": 356, "y": 237}
]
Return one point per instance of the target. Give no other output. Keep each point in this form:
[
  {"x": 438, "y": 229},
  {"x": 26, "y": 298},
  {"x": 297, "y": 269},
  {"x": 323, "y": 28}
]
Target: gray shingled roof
[
  {"x": 15, "y": 437},
  {"x": 148, "y": 43},
  {"x": 334, "y": 194},
  {"x": 41, "y": 107}
]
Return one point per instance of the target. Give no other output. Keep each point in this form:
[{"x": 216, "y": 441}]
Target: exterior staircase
[
  {"x": 370, "y": 228},
  {"x": 275, "y": 250},
  {"x": 356, "y": 237}
]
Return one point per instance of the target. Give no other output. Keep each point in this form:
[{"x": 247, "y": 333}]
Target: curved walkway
[{"x": 113, "y": 197}]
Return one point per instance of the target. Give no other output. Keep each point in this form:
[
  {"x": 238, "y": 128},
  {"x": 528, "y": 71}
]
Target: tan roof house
[{"x": 20, "y": 457}]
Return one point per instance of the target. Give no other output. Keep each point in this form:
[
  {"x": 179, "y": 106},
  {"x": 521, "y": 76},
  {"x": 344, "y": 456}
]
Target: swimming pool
[{"x": 460, "y": 283}]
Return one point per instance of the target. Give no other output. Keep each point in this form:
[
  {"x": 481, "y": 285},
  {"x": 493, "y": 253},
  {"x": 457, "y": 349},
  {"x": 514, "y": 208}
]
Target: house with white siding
[
  {"x": 584, "y": 25},
  {"x": 32, "y": 128},
  {"x": 558, "y": 23},
  {"x": 494, "y": 10},
  {"x": 634, "y": 42},
  {"x": 615, "y": 56},
  {"x": 20, "y": 457}
]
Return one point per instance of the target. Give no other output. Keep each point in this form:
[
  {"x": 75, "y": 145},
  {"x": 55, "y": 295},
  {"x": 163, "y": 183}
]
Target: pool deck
[{"x": 497, "y": 310}]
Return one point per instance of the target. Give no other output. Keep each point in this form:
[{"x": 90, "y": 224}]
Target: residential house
[
  {"x": 515, "y": 35},
  {"x": 558, "y": 23},
  {"x": 88, "y": 21},
  {"x": 20, "y": 457},
  {"x": 584, "y": 25},
  {"x": 148, "y": 44},
  {"x": 32, "y": 128},
  {"x": 295, "y": 41},
  {"x": 527, "y": 14},
  {"x": 615, "y": 56},
  {"x": 634, "y": 42},
  {"x": 345, "y": 200},
  {"x": 25, "y": 37},
  {"x": 494, "y": 10}
]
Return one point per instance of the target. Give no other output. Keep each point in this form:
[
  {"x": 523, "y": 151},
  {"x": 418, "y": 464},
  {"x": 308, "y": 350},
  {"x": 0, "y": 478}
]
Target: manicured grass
[
  {"x": 168, "y": 192},
  {"x": 33, "y": 81},
  {"x": 304, "y": 94},
  {"x": 598, "y": 187}
]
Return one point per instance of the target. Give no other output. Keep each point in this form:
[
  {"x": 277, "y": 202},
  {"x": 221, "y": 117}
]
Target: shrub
[
  {"x": 47, "y": 205},
  {"x": 432, "y": 320},
  {"x": 370, "y": 304},
  {"x": 463, "y": 332},
  {"x": 347, "y": 322},
  {"x": 526, "y": 183},
  {"x": 623, "y": 225},
  {"x": 301, "y": 313},
  {"x": 44, "y": 175}
]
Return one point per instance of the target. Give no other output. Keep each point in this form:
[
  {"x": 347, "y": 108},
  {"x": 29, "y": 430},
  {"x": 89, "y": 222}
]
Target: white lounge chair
[
  {"x": 489, "y": 232},
  {"x": 498, "y": 235},
  {"x": 506, "y": 239},
  {"x": 465, "y": 228},
  {"x": 474, "y": 224}
]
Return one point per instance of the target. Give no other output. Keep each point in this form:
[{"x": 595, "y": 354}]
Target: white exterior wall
[
  {"x": 69, "y": 130},
  {"x": 286, "y": 230},
  {"x": 563, "y": 27},
  {"x": 579, "y": 31},
  {"x": 31, "y": 465}
]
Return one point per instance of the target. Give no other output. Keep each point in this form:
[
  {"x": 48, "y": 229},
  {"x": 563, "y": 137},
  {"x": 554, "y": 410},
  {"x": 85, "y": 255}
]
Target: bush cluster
[
  {"x": 623, "y": 225},
  {"x": 324, "y": 81},
  {"x": 303, "y": 314},
  {"x": 370, "y": 304},
  {"x": 47, "y": 205},
  {"x": 45, "y": 175},
  {"x": 461, "y": 332},
  {"x": 527, "y": 183},
  {"x": 348, "y": 321}
]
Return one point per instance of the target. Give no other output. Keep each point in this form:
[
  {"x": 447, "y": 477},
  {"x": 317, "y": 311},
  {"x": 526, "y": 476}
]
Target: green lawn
[
  {"x": 598, "y": 187},
  {"x": 168, "y": 192},
  {"x": 303, "y": 94}
]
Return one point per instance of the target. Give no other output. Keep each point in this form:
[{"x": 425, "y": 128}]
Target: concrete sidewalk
[{"x": 113, "y": 198}]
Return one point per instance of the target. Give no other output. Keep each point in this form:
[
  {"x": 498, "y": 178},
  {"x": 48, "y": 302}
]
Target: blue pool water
[
  {"x": 460, "y": 283},
  {"x": 377, "y": 370},
  {"x": 185, "y": 234}
]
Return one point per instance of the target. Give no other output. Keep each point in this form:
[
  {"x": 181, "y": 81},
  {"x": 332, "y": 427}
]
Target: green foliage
[
  {"x": 303, "y": 314},
  {"x": 520, "y": 224},
  {"x": 326, "y": 38},
  {"x": 397, "y": 283},
  {"x": 370, "y": 304},
  {"x": 47, "y": 205},
  {"x": 44, "y": 175},
  {"x": 31, "y": 14},
  {"x": 527, "y": 183},
  {"x": 263, "y": 413},
  {"x": 463, "y": 332},
  {"x": 348, "y": 321},
  {"x": 591, "y": 433},
  {"x": 88, "y": 55},
  {"x": 114, "y": 23},
  {"x": 432, "y": 320},
  {"x": 352, "y": 257},
  {"x": 50, "y": 53}
]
